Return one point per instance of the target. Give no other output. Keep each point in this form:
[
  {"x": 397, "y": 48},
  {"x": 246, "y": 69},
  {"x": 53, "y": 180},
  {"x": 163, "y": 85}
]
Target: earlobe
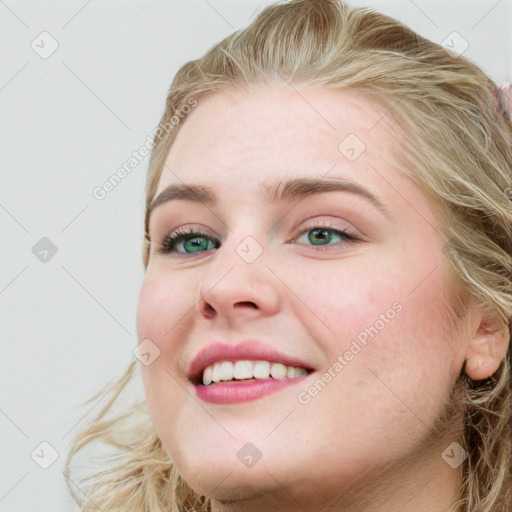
[
  {"x": 487, "y": 347},
  {"x": 481, "y": 367}
]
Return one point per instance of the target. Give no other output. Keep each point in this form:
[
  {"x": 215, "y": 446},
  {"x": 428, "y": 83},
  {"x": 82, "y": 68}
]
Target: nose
[{"x": 233, "y": 286}]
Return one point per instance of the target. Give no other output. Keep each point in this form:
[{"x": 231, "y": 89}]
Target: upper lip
[{"x": 247, "y": 350}]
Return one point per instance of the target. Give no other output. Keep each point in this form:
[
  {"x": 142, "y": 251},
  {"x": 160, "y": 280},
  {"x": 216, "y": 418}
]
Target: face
[{"x": 347, "y": 284}]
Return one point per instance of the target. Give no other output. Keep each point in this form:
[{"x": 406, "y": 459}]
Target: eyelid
[
  {"x": 328, "y": 224},
  {"x": 187, "y": 228}
]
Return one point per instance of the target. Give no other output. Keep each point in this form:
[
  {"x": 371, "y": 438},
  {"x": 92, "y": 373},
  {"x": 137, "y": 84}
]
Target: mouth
[
  {"x": 246, "y": 371},
  {"x": 254, "y": 380},
  {"x": 227, "y": 374}
]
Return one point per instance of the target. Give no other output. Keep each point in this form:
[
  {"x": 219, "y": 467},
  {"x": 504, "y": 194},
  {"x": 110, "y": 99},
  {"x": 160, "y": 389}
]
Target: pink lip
[
  {"x": 247, "y": 350},
  {"x": 242, "y": 391}
]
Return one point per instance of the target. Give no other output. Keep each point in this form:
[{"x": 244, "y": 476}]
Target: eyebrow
[{"x": 275, "y": 192}]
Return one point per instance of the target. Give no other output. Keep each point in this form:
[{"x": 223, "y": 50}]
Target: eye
[
  {"x": 194, "y": 241},
  {"x": 322, "y": 235}
]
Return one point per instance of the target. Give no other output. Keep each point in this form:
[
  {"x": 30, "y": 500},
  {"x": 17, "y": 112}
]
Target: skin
[{"x": 363, "y": 442}]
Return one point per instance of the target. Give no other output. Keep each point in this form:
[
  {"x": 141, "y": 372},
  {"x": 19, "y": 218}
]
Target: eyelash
[{"x": 168, "y": 244}]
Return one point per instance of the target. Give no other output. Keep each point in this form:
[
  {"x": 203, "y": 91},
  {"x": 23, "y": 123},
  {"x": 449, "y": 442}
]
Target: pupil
[
  {"x": 323, "y": 231},
  {"x": 195, "y": 242}
]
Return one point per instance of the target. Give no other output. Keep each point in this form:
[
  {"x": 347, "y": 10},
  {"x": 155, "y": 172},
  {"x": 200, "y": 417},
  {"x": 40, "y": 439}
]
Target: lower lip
[{"x": 242, "y": 391}]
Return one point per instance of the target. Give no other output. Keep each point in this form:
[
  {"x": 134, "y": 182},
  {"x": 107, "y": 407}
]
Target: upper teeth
[{"x": 227, "y": 370}]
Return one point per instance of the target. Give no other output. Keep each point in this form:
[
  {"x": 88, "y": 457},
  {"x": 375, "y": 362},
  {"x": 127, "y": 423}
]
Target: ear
[{"x": 487, "y": 346}]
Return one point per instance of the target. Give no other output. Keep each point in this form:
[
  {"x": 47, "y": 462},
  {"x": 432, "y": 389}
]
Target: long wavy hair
[{"x": 454, "y": 144}]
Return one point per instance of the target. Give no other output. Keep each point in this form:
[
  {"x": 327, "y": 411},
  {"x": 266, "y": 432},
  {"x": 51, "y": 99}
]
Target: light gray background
[{"x": 67, "y": 123}]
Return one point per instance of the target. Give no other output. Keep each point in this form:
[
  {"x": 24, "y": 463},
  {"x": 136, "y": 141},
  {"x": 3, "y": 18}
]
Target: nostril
[
  {"x": 246, "y": 303},
  {"x": 209, "y": 311}
]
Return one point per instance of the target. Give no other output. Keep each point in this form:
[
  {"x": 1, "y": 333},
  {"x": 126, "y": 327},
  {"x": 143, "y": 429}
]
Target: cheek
[
  {"x": 151, "y": 303},
  {"x": 348, "y": 297},
  {"x": 162, "y": 304},
  {"x": 395, "y": 374},
  {"x": 164, "y": 316},
  {"x": 409, "y": 361},
  {"x": 384, "y": 322}
]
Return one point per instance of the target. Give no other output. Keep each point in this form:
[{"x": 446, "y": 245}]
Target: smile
[
  {"x": 245, "y": 390},
  {"x": 226, "y": 371}
]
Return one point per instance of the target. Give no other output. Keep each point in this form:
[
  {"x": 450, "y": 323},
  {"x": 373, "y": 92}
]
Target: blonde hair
[{"x": 453, "y": 144}]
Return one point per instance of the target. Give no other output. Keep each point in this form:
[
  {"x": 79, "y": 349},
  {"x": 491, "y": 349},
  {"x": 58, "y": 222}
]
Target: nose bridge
[
  {"x": 237, "y": 278},
  {"x": 246, "y": 241}
]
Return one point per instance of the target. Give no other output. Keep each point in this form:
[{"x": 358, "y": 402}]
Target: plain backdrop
[{"x": 71, "y": 265}]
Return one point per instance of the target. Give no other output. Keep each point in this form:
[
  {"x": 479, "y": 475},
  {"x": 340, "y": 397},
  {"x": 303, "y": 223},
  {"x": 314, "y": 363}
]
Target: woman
[{"x": 324, "y": 322}]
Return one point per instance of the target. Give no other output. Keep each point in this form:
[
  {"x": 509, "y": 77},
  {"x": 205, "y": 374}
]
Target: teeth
[
  {"x": 216, "y": 373},
  {"x": 278, "y": 371},
  {"x": 207, "y": 375},
  {"x": 300, "y": 372},
  {"x": 225, "y": 371},
  {"x": 261, "y": 370},
  {"x": 243, "y": 370}
]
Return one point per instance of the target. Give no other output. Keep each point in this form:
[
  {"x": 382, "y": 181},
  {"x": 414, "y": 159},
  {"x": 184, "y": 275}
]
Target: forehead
[{"x": 245, "y": 138}]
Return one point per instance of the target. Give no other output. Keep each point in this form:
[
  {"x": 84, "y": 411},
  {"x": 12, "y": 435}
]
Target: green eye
[
  {"x": 322, "y": 236},
  {"x": 193, "y": 241}
]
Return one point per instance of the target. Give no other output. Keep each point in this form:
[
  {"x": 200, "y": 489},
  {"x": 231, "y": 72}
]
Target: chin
[{"x": 229, "y": 481}]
